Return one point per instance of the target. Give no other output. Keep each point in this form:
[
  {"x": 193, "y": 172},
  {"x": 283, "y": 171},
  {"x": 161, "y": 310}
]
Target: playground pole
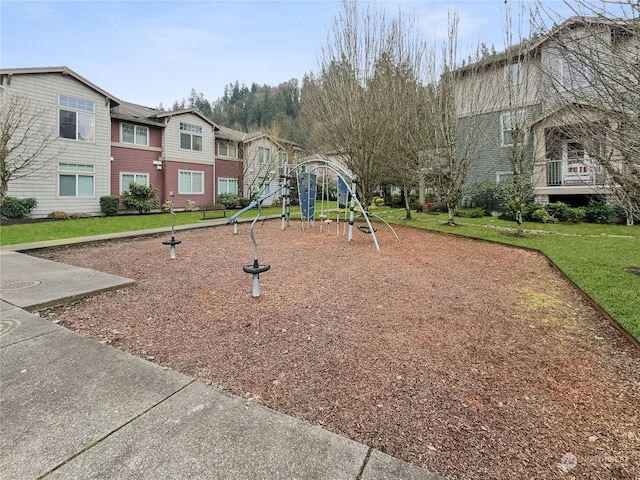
[{"x": 352, "y": 207}]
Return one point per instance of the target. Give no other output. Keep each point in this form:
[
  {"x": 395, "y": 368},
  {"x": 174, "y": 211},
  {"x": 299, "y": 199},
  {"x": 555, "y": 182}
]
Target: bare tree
[
  {"x": 516, "y": 82},
  {"x": 598, "y": 87},
  {"x": 453, "y": 103},
  {"x": 27, "y": 140},
  {"x": 342, "y": 114},
  {"x": 399, "y": 80}
]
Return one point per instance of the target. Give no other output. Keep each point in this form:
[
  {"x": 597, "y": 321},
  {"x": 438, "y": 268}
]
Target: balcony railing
[{"x": 559, "y": 176}]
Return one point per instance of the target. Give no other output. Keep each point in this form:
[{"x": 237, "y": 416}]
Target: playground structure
[
  {"x": 172, "y": 242},
  {"x": 307, "y": 181}
]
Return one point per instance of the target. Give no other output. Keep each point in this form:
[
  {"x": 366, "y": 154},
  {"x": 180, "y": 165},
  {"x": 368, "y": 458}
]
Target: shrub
[
  {"x": 59, "y": 215},
  {"x": 469, "y": 213},
  {"x": 141, "y": 198},
  {"x": 190, "y": 205},
  {"x": 229, "y": 200},
  {"x": 597, "y": 212},
  {"x": 541, "y": 215},
  {"x": 12, "y": 207},
  {"x": 564, "y": 213},
  {"x": 377, "y": 201},
  {"x": 509, "y": 212},
  {"x": 109, "y": 205},
  {"x": 419, "y": 207},
  {"x": 243, "y": 202},
  {"x": 487, "y": 195}
]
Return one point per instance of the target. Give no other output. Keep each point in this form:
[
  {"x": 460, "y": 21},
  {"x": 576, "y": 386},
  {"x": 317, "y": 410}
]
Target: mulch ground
[{"x": 471, "y": 359}]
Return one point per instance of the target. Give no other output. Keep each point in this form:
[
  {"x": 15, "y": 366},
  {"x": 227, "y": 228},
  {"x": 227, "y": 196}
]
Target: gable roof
[
  {"x": 138, "y": 114},
  {"x": 530, "y": 47},
  {"x": 63, "y": 71},
  {"x": 163, "y": 114}
]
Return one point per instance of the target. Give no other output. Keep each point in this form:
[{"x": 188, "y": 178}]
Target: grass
[
  {"x": 592, "y": 256},
  {"x": 84, "y": 227}
]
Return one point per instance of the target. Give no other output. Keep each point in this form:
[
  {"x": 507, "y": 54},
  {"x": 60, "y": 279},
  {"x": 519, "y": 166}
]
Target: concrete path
[{"x": 71, "y": 407}]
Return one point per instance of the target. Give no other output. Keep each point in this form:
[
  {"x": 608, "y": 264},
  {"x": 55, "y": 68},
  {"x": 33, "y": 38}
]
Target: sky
[{"x": 156, "y": 52}]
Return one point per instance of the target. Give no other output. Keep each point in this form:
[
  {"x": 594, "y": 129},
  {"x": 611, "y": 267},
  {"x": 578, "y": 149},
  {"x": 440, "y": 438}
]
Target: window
[
  {"x": 263, "y": 154},
  {"x": 190, "y": 182},
  {"x": 512, "y": 128},
  {"x": 513, "y": 74},
  {"x": 227, "y": 149},
  {"x": 77, "y": 118},
  {"x": 264, "y": 185},
  {"x": 128, "y": 178},
  {"x": 136, "y": 134},
  {"x": 575, "y": 73},
  {"x": 75, "y": 180},
  {"x": 190, "y": 137},
  {"x": 284, "y": 158},
  {"x": 227, "y": 185}
]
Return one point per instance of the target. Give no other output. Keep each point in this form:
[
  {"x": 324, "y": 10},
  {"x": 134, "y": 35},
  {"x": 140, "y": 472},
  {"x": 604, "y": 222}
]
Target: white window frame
[
  {"x": 229, "y": 145},
  {"x": 513, "y": 74},
  {"x": 501, "y": 176},
  {"x": 264, "y": 154},
  {"x": 284, "y": 158},
  {"x": 77, "y": 170},
  {"x": 191, "y": 173},
  {"x": 505, "y": 128},
  {"x": 192, "y": 131},
  {"x": 125, "y": 188},
  {"x": 227, "y": 181},
  {"x": 574, "y": 72},
  {"x": 136, "y": 133},
  {"x": 84, "y": 116}
]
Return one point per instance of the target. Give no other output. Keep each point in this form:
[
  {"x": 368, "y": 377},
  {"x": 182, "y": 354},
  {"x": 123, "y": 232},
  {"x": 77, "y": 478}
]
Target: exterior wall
[
  {"x": 229, "y": 169},
  {"x": 176, "y": 158},
  {"x": 487, "y": 90},
  {"x": 43, "y": 89},
  {"x": 492, "y": 158},
  {"x": 129, "y": 158},
  {"x": 170, "y": 171},
  {"x": 254, "y": 170},
  {"x": 171, "y": 145}
]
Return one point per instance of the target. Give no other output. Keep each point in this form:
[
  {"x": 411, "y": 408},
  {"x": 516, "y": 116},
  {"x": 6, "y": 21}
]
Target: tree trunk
[
  {"x": 407, "y": 206},
  {"x": 451, "y": 221}
]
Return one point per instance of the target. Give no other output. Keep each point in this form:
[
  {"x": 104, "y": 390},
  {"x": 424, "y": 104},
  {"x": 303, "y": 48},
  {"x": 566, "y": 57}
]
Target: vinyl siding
[
  {"x": 172, "y": 148},
  {"x": 43, "y": 91}
]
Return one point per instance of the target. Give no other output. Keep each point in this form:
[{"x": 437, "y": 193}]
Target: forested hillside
[{"x": 259, "y": 108}]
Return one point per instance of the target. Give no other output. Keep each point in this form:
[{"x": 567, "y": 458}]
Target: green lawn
[
  {"x": 593, "y": 256},
  {"x": 83, "y": 227}
]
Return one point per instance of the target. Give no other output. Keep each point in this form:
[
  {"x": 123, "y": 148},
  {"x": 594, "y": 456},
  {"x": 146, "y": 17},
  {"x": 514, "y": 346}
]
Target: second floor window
[
  {"x": 513, "y": 128},
  {"x": 135, "y": 134},
  {"x": 513, "y": 74},
  {"x": 575, "y": 72},
  {"x": 77, "y": 118},
  {"x": 190, "y": 137},
  {"x": 227, "y": 149},
  {"x": 263, "y": 155}
]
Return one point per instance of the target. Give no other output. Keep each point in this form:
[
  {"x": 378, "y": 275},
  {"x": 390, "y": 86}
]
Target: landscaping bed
[{"x": 471, "y": 359}]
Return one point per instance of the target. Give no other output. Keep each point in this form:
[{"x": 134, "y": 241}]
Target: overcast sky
[{"x": 152, "y": 52}]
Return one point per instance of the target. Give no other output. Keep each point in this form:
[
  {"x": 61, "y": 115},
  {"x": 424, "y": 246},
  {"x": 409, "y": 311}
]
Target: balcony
[{"x": 562, "y": 174}]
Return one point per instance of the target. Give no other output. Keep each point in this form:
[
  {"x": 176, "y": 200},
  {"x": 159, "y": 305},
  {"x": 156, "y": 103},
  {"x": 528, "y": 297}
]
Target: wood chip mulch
[{"x": 473, "y": 360}]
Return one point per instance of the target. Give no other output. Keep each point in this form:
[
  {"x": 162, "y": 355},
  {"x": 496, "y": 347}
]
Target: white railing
[{"x": 559, "y": 176}]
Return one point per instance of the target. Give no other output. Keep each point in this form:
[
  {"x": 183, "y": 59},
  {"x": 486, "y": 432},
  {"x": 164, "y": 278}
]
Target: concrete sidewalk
[{"x": 71, "y": 407}]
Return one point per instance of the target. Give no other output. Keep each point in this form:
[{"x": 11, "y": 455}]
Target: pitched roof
[
  {"x": 530, "y": 46},
  {"x": 63, "y": 71},
  {"x": 137, "y": 114},
  {"x": 195, "y": 111}
]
